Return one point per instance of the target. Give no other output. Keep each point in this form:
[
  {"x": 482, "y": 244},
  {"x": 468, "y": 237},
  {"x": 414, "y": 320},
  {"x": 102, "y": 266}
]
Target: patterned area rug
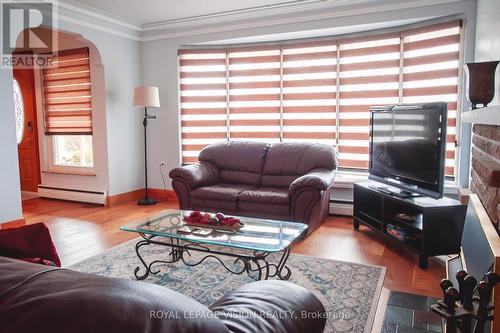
[{"x": 349, "y": 291}]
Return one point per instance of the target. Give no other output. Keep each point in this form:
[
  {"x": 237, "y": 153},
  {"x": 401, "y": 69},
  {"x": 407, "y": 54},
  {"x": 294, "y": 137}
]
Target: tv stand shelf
[{"x": 428, "y": 226}]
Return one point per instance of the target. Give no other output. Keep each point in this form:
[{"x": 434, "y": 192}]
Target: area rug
[{"x": 349, "y": 291}]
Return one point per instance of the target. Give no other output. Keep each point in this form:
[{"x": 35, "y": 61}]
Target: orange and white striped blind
[
  {"x": 431, "y": 63},
  {"x": 203, "y": 104},
  {"x": 254, "y": 93},
  {"x": 67, "y": 96},
  {"x": 319, "y": 91},
  {"x": 369, "y": 76},
  {"x": 310, "y": 92}
]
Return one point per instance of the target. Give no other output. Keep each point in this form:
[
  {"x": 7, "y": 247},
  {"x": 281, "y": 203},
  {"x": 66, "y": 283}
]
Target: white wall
[
  {"x": 488, "y": 38},
  {"x": 121, "y": 58},
  {"x": 10, "y": 194},
  {"x": 159, "y": 64}
]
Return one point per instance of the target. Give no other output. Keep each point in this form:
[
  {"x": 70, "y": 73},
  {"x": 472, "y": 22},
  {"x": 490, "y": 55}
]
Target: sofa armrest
[
  {"x": 320, "y": 179},
  {"x": 196, "y": 175}
]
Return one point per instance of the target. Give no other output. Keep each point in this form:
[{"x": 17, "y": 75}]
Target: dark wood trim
[{"x": 156, "y": 193}]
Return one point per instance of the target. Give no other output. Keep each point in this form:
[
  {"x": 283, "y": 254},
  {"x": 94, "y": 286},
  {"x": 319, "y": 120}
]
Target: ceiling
[{"x": 148, "y": 12}]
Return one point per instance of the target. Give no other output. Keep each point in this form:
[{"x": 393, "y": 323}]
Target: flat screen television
[{"x": 407, "y": 148}]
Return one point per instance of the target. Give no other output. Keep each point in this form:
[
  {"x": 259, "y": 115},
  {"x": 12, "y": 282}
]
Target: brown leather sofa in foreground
[
  {"x": 37, "y": 298},
  {"x": 284, "y": 181}
]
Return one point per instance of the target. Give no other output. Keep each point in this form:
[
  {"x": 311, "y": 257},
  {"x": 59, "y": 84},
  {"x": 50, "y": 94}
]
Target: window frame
[{"x": 48, "y": 139}]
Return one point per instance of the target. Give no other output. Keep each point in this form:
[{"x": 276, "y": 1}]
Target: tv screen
[{"x": 407, "y": 147}]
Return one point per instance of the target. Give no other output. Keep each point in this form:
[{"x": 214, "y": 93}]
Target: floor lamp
[{"x": 146, "y": 97}]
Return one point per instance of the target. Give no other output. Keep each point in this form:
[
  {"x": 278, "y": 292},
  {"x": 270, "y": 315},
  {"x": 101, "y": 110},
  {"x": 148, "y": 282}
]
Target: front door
[{"x": 26, "y": 126}]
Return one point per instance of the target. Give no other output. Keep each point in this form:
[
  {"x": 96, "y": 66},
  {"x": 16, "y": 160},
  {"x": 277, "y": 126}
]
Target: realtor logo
[{"x": 27, "y": 26}]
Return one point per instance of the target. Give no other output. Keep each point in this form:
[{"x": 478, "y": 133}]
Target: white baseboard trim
[{"x": 95, "y": 197}]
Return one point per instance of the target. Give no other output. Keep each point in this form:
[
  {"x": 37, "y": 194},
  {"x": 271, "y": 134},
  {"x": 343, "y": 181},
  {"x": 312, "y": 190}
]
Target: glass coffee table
[{"x": 250, "y": 246}]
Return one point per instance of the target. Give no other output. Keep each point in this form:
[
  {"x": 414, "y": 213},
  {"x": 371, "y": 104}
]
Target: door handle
[{"x": 30, "y": 126}]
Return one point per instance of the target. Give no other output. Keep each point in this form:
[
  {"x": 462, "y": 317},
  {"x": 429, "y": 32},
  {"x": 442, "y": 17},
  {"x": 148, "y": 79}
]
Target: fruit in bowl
[{"x": 217, "y": 220}]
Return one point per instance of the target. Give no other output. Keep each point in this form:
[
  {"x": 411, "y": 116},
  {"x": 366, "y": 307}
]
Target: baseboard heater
[
  {"x": 96, "y": 197},
  {"x": 340, "y": 207}
]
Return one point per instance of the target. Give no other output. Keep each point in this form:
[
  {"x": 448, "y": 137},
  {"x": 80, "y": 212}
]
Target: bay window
[{"x": 318, "y": 91}]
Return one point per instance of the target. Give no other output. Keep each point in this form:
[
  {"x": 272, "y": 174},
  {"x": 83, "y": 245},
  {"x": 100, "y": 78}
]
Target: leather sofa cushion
[
  {"x": 220, "y": 192},
  {"x": 292, "y": 158},
  {"x": 264, "y": 210},
  {"x": 266, "y": 195},
  {"x": 214, "y": 206},
  {"x": 240, "y": 177},
  {"x": 236, "y": 155},
  {"x": 278, "y": 181}
]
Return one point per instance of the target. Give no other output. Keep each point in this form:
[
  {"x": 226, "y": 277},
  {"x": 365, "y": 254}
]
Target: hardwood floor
[{"x": 83, "y": 230}]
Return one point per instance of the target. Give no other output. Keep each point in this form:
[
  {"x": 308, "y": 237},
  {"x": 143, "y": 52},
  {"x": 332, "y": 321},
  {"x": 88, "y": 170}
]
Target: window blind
[
  {"x": 431, "y": 61},
  {"x": 67, "y": 94},
  {"x": 318, "y": 91},
  {"x": 309, "y": 92},
  {"x": 254, "y": 93},
  {"x": 203, "y": 100},
  {"x": 369, "y": 76}
]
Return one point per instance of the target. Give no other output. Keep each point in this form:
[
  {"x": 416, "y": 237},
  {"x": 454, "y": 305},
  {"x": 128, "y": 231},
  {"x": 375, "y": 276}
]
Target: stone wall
[{"x": 486, "y": 168}]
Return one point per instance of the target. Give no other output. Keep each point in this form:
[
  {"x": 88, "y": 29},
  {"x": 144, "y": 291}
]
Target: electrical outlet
[{"x": 163, "y": 164}]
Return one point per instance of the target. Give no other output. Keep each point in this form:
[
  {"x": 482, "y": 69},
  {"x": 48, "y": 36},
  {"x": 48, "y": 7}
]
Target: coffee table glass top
[{"x": 256, "y": 234}]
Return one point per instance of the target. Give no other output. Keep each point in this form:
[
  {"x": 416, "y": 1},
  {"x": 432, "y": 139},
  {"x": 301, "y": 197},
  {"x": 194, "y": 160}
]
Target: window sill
[
  {"x": 346, "y": 179},
  {"x": 71, "y": 172}
]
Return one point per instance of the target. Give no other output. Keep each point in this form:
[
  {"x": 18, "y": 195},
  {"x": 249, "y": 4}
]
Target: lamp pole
[{"x": 147, "y": 200}]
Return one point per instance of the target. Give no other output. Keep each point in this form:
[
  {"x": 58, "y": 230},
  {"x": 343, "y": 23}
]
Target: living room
[{"x": 259, "y": 120}]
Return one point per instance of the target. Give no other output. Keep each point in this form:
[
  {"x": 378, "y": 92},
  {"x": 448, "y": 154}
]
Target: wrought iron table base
[{"x": 257, "y": 261}]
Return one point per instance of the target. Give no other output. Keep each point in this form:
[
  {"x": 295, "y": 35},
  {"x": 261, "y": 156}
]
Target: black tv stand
[
  {"x": 397, "y": 193},
  {"x": 428, "y": 226}
]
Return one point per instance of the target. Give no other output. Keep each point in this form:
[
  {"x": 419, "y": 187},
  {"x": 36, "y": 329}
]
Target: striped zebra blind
[
  {"x": 369, "y": 75},
  {"x": 318, "y": 91},
  {"x": 203, "y": 89},
  {"x": 254, "y": 93},
  {"x": 309, "y": 92},
  {"x": 431, "y": 63},
  {"x": 67, "y": 94}
]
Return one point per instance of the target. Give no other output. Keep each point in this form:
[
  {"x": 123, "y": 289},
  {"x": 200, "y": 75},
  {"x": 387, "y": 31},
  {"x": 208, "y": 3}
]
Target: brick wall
[{"x": 486, "y": 168}]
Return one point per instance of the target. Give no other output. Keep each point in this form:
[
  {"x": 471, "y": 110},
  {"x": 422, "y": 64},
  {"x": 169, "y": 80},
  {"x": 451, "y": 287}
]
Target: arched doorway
[{"x": 67, "y": 133}]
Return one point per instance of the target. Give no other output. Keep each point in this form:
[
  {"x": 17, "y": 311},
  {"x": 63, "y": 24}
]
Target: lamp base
[{"x": 146, "y": 201}]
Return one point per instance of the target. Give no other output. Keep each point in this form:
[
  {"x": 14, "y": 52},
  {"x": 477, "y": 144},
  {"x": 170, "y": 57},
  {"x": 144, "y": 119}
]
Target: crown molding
[
  {"x": 304, "y": 18},
  {"x": 116, "y": 32},
  {"x": 83, "y": 10},
  {"x": 196, "y": 25},
  {"x": 283, "y": 7}
]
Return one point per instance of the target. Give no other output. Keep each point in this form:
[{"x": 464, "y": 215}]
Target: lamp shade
[{"x": 146, "y": 96}]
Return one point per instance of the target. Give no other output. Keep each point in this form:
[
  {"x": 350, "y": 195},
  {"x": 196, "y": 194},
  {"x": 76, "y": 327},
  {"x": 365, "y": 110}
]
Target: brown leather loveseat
[
  {"x": 37, "y": 298},
  {"x": 284, "y": 181}
]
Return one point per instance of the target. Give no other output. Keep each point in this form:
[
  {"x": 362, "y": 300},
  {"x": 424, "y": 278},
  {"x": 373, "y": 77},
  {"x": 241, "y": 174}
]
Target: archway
[{"x": 61, "y": 159}]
